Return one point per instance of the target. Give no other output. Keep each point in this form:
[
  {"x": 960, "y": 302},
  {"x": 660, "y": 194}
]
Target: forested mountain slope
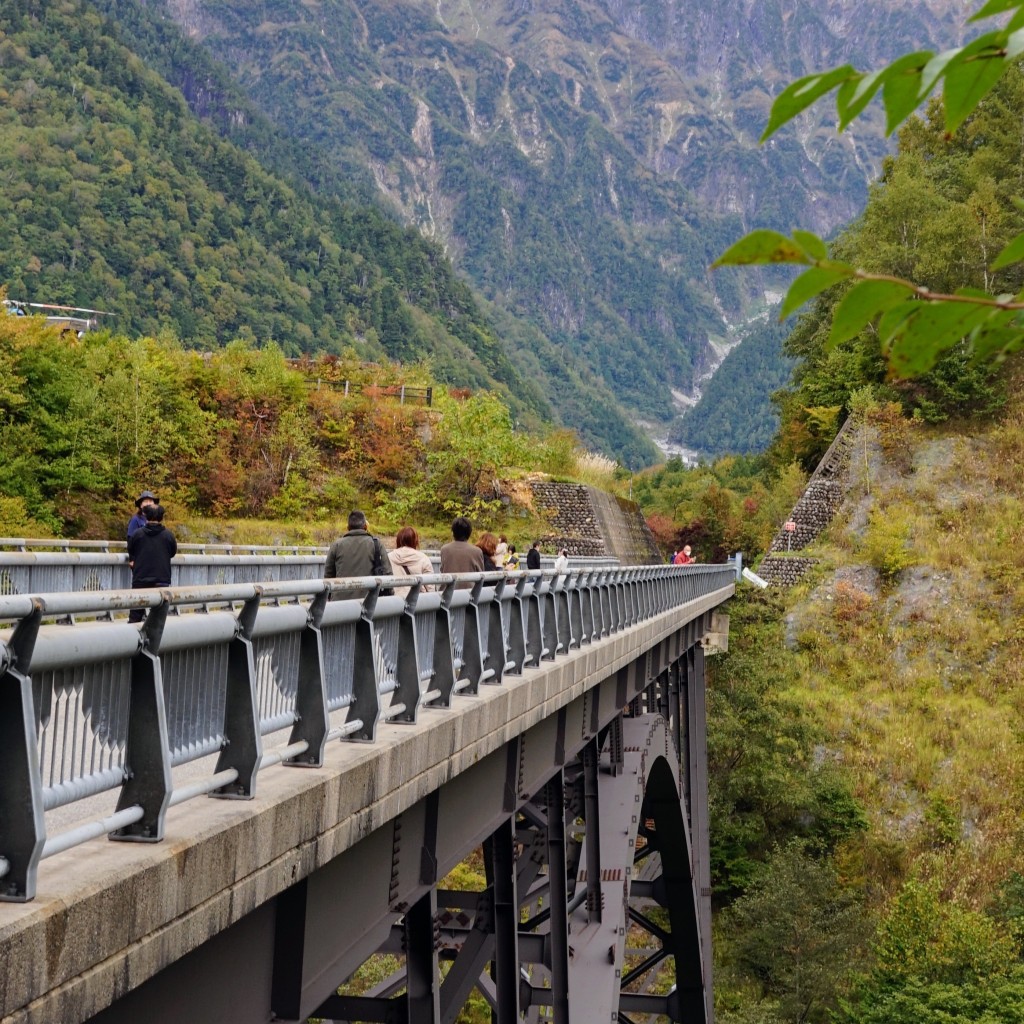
[
  {"x": 582, "y": 162},
  {"x": 115, "y": 196},
  {"x": 735, "y": 413},
  {"x": 545, "y": 209},
  {"x": 865, "y": 749}
]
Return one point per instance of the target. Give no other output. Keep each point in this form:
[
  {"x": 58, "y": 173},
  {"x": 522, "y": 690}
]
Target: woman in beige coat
[{"x": 407, "y": 560}]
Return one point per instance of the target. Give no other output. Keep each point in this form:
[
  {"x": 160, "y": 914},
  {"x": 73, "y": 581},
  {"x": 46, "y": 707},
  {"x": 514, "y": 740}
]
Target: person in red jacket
[{"x": 683, "y": 557}]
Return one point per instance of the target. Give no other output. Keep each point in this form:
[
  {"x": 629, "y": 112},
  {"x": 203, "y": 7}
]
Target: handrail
[
  {"x": 88, "y": 708},
  {"x": 89, "y": 565}
]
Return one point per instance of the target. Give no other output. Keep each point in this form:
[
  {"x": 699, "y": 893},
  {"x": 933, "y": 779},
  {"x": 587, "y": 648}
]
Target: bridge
[{"x": 551, "y": 725}]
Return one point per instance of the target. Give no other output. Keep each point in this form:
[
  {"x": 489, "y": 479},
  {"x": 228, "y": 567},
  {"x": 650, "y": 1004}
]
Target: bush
[{"x": 887, "y": 543}]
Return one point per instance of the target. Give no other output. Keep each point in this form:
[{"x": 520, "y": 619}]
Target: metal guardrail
[
  {"x": 103, "y": 565},
  {"x": 107, "y": 546},
  {"x": 92, "y": 707}
]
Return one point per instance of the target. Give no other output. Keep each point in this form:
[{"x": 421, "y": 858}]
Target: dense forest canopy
[
  {"x": 117, "y": 197},
  {"x": 735, "y": 414}
]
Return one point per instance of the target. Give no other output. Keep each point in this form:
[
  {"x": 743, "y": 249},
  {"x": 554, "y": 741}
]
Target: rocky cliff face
[{"x": 687, "y": 87}]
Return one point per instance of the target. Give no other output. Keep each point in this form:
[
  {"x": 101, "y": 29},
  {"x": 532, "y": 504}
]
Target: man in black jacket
[
  {"x": 150, "y": 551},
  {"x": 533, "y": 556}
]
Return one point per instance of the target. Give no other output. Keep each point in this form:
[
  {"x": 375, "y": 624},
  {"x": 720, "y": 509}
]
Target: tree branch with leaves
[{"x": 916, "y": 324}]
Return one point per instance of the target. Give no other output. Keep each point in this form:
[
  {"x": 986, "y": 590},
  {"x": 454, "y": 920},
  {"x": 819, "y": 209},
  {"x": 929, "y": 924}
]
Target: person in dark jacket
[
  {"x": 533, "y": 556},
  {"x": 138, "y": 521},
  {"x": 150, "y": 551},
  {"x": 357, "y": 553}
]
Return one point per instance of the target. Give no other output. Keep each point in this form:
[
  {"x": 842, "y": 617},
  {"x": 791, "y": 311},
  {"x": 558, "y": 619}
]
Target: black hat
[{"x": 146, "y": 494}]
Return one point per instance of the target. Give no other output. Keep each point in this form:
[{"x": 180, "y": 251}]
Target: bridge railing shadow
[{"x": 221, "y": 682}]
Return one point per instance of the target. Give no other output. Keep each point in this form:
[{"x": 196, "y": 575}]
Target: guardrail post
[
  {"x": 586, "y": 592},
  {"x": 243, "y": 744},
  {"x": 496, "y": 651},
  {"x": 407, "y": 671},
  {"x": 313, "y": 720},
  {"x": 535, "y": 647},
  {"x": 147, "y": 783},
  {"x": 365, "y": 704},
  {"x": 21, "y": 788},
  {"x": 444, "y": 664},
  {"x": 579, "y": 634},
  {"x": 517, "y": 628},
  {"x": 563, "y": 620},
  {"x": 603, "y": 615},
  {"x": 473, "y": 654},
  {"x": 548, "y": 620}
]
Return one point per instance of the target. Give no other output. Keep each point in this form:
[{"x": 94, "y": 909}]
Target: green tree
[{"x": 800, "y": 933}]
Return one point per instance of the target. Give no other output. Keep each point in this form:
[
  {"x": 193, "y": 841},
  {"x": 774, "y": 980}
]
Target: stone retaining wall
[
  {"x": 784, "y": 572},
  {"x": 591, "y": 523},
  {"x": 812, "y": 513}
]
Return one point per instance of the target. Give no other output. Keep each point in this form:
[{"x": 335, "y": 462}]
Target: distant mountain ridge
[{"x": 557, "y": 153}]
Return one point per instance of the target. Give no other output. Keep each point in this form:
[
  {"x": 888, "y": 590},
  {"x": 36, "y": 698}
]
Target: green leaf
[
  {"x": 935, "y": 69},
  {"x": 917, "y": 341},
  {"x": 1013, "y": 253},
  {"x": 996, "y": 339},
  {"x": 810, "y": 283},
  {"x": 994, "y": 7},
  {"x": 901, "y": 92},
  {"x": 763, "y": 246},
  {"x": 811, "y": 244},
  {"x": 893, "y": 320},
  {"x": 854, "y": 95},
  {"x": 970, "y": 75},
  {"x": 861, "y": 304},
  {"x": 799, "y": 95}
]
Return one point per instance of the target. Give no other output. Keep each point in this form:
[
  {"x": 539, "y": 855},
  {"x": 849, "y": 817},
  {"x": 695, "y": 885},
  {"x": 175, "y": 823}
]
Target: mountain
[
  {"x": 686, "y": 87},
  {"x": 583, "y": 162},
  {"x": 547, "y": 212}
]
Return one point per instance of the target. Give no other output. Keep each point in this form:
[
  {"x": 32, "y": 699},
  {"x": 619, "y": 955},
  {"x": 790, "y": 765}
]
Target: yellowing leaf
[{"x": 762, "y": 246}]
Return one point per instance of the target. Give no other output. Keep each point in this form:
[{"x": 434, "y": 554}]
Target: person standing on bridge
[
  {"x": 357, "y": 553},
  {"x": 408, "y": 560},
  {"x": 150, "y": 551},
  {"x": 488, "y": 544},
  {"x": 684, "y": 557},
  {"x": 458, "y": 555},
  {"x": 533, "y": 556},
  {"x": 138, "y": 521}
]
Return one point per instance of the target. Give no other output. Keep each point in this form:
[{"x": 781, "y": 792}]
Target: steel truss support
[{"x": 595, "y": 878}]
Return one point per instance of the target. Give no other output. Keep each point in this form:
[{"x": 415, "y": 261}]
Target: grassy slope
[{"x": 909, "y": 646}]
